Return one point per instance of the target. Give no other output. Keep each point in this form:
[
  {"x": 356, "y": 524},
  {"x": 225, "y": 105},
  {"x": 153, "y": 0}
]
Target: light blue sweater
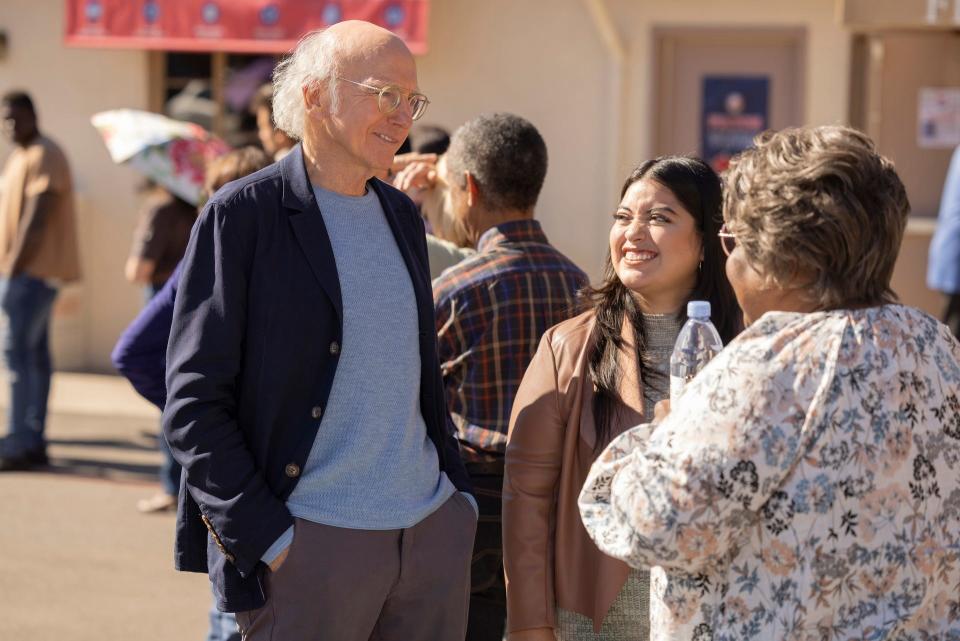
[{"x": 372, "y": 465}]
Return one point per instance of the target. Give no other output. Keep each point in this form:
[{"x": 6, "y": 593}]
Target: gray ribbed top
[{"x": 661, "y": 331}]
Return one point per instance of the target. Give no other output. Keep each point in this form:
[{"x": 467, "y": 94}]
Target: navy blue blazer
[{"x": 253, "y": 350}]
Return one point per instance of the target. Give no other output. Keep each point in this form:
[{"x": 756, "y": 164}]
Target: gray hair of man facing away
[
  {"x": 314, "y": 59},
  {"x": 506, "y": 156}
]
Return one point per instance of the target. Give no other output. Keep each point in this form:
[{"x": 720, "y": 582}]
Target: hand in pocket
[{"x": 277, "y": 562}]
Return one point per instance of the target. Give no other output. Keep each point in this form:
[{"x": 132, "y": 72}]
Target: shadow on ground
[
  {"x": 103, "y": 469},
  {"x": 105, "y": 447},
  {"x": 142, "y": 446}
]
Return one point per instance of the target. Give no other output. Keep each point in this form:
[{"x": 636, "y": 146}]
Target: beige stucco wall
[
  {"x": 549, "y": 63},
  {"x": 542, "y": 61},
  {"x": 68, "y": 85},
  {"x": 828, "y": 51},
  {"x": 546, "y": 61}
]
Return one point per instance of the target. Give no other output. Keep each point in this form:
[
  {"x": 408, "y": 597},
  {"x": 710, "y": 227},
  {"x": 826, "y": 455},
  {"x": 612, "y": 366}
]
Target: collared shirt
[
  {"x": 492, "y": 309},
  {"x": 943, "y": 267}
]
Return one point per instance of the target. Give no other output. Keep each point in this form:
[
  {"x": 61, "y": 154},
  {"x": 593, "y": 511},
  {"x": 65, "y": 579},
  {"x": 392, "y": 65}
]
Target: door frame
[{"x": 667, "y": 39}]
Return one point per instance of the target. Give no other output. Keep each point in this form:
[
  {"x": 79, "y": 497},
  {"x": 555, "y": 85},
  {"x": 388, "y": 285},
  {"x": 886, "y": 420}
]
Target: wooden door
[{"x": 686, "y": 58}]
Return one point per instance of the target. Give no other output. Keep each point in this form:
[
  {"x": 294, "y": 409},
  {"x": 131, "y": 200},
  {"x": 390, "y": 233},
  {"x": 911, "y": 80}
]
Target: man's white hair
[{"x": 314, "y": 59}]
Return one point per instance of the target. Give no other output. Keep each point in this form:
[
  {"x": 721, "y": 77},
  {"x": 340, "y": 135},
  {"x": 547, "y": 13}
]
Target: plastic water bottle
[{"x": 697, "y": 343}]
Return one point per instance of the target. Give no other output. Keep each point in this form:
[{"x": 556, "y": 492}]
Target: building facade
[{"x": 609, "y": 83}]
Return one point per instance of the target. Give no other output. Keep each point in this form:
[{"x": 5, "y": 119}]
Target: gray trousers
[{"x": 339, "y": 584}]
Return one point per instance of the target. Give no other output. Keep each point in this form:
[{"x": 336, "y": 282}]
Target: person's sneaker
[
  {"x": 37, "y": 456},
  {"x": 28, "y": 460},
  {"x": 19, "y": 463},
  {"x": 157, "y": 503}
]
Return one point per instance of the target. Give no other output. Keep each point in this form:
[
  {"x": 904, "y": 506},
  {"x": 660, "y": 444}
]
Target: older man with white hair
[{"x": 322, "y": 489}]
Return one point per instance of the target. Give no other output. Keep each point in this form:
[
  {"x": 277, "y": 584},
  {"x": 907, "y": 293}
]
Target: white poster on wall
[{"x": 938, "y": 118}]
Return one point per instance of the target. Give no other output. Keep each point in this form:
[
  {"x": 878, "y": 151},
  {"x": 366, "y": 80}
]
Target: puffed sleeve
[{"x": 683, "y": 499}]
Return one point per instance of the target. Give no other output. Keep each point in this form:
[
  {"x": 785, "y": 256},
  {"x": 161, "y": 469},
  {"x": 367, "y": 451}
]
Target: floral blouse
[{"x": 804, "y": 488}]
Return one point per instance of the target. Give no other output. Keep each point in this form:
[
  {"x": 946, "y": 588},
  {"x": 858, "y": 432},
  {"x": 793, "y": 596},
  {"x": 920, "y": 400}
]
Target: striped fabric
[{"x": 492, "y": 309}]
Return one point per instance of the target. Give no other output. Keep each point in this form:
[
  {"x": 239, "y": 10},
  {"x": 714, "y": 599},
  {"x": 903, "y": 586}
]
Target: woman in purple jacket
[
  {"x": 141, "y": 352},
  {"x": 141, "y": 355}
]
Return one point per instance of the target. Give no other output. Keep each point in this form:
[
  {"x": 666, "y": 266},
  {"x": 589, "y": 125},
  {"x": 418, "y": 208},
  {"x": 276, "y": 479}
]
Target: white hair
[{"x": 314, "y": 59}]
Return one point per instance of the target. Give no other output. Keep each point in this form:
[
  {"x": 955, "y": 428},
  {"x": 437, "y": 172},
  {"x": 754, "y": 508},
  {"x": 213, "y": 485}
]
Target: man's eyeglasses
[
  {"x": 389, "y": 97},
  {"x": 727, "y": 240}
]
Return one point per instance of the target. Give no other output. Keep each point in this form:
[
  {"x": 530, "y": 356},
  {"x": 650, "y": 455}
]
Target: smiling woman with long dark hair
[
  {"x": 633, "y": 289},
  {"x": 807, "y": 483},
  {"x": 593, "y": 377}
]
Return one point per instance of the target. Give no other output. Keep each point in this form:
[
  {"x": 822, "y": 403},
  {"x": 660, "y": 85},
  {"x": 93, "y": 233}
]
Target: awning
[{"x": 262, "y": 26}]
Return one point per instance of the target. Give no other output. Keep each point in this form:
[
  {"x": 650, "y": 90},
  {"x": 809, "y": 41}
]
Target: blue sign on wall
[{"x": 735, "y": 109}]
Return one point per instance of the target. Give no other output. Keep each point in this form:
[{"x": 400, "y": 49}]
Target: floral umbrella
[{"x": 172, "y": 153}]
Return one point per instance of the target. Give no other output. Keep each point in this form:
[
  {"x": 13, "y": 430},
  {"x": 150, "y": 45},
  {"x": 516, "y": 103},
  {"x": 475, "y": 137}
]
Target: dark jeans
[
  {"x": 169, "y": 468},
  {"x": 488, "y": 593},
  {"x": 26, "y": 303},
  {"x": 223, "y": 625}
]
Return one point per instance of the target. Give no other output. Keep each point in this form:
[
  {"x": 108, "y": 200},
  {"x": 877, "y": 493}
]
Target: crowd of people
[{"x": 394, "y": 410}]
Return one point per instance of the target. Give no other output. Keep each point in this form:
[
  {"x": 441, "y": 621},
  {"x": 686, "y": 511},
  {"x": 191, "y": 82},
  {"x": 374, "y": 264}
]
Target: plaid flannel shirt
[{"x": 492, "y": 309}]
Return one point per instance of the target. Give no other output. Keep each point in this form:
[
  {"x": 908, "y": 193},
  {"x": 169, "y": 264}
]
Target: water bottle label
[{"x": 677, "y": 385}]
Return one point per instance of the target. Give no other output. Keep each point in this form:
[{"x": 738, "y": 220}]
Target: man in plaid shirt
[{"x": 492, "y": 309}]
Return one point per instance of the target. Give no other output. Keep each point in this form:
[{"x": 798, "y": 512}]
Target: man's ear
[
  {"x": 315, "y": 98},
  {"x": 473, "y": 191}
]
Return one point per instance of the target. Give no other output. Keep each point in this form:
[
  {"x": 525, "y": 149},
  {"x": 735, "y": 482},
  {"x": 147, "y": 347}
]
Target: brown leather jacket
[{"x": 548, "y": 556}]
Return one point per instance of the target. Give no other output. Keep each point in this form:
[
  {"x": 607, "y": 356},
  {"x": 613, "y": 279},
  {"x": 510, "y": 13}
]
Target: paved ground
[{"x": 77, "y": 561}]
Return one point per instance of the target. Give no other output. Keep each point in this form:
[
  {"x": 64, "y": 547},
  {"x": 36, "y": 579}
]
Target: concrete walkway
[{"x": 77, "y": 561}]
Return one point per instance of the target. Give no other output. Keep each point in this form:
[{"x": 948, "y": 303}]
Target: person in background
[
  {"x": 424, "y": 143},
  {"x": 416, "y": 176},
  {"x": 492, "y": 309},
  {"x": 807, "y": 484},
  {"x": 593, "y": 377},
  {"x": 447, "y": 244},
  {"x": 428, "y": 139},
  {"x": 38, "y": 254},
  {"x": 322, "y": 491},
  {"x": 141, "y": 352},
  {"x": 943, "y": 267},
  {"x": 159, "y": 240},
  {"x": 275, "y": 141}
]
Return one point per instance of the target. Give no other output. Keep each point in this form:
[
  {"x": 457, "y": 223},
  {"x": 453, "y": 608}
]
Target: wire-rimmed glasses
[
  {"x": 728, "y": 241},
  {"x": 389, "y": 97}
]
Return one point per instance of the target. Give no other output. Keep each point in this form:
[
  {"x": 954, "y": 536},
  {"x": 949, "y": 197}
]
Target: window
[{"x": 213, "y": 90}]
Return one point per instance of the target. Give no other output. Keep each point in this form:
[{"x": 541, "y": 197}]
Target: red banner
[{"x": 267, "y": 26}]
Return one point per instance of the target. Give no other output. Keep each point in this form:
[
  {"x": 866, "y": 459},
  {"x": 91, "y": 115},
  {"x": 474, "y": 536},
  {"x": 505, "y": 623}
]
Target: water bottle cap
[{"x": 698, "y": 309}]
